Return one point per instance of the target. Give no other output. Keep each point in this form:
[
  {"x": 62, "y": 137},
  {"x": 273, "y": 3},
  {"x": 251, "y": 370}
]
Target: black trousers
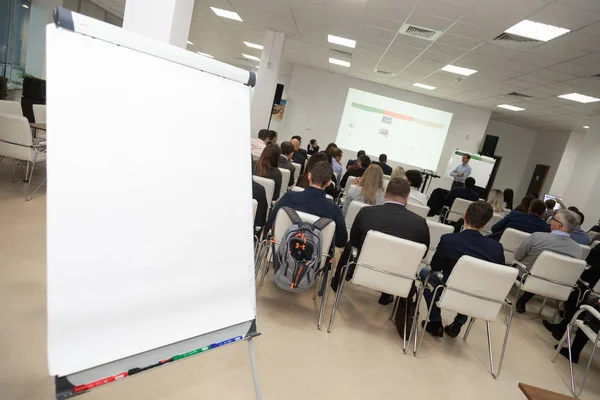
[{"x": 456, "y": 184}]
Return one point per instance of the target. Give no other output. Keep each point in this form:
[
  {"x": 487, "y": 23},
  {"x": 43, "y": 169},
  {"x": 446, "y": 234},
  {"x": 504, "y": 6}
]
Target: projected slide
[{"x": 406, "y": 132}]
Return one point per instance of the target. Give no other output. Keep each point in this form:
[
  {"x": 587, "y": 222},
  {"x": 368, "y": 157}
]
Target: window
[{"x": 14, "y": 29}]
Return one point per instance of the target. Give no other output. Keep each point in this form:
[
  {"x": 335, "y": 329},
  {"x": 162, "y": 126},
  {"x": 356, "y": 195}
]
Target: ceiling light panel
[
  {"x": 536, "y": 30},
  {"x": 459, "y": 70},
  {"x": 226, "y": 14},
  {"x": 423, "y": 86},
  {"x": 188, "y": 42},
  {"x": 249, "y": 57},
  {"x": 341, "y": 41},
  {"x": 342, "y": 63},
  {"x": 254, "y": 45},
  {"x": 580, "y": 98},
  {"x": 509, "y": 107}
]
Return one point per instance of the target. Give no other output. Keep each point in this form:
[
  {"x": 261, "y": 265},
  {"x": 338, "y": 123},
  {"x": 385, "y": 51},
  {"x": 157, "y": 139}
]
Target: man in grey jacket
[{"x": 558, "y": 241}]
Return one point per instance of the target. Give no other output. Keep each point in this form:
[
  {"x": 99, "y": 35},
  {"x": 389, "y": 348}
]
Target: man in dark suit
[
  {"x": 467, "y": 193},
  {"x": 358, "y": 169},
  {"x": 351, "y": 163},
  {"x": 299, "y": 149},
  {"x": 259, "y": 194},
  {"x": 297, "y": 157},
  {"x": 391, "y": 218},
  {"x": 387, "y": 170},
  {"x": 529, "y": 222},
  {"x": 470, "y": 242},
  {"x": 287, "y": 151}
]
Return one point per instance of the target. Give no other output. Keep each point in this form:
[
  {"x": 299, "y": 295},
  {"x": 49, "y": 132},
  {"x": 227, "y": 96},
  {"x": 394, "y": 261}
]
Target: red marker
[{"x": 88, "y": 386}]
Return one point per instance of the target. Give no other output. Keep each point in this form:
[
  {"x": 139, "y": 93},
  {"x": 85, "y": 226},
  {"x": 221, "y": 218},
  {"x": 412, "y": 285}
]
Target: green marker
[{"x": 191, "y": 353}]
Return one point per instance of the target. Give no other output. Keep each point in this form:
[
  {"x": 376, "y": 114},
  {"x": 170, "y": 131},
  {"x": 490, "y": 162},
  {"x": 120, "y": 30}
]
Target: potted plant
[
  {"x": 3, "y": 88},
  {"x": 34, "y": 92}
]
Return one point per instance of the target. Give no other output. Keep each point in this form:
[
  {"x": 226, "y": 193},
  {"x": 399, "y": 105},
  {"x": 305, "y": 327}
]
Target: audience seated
[
  {"x": 351, "y": 163},
  {"x": 415, "y": 180},
  {"x": 558, "y": 241},
  {"x": 313, "y": 147},
  {"x": 358, "y": 169},
  {"x": 299, "y": 150},
  {"x": 581, "y": 338},
  {"x": 525, "y": 203},
  {"x": 470, "y": 242},
  {"x": 387, "y": 170},
  {"x": 336, "y": 162},
  {"x": 579, "y": 234},
  {"x": 272, "y": 137},
  {"x": 267, "y": 167},
  {"x": 496, "y": 200},
  {"x": 257, "y": 145},
  {"x": 391, "y": 218},
  {"x": 330, "y": 148},
  {"x": 596, "y": 228},
  {"x": 509, "y": 196},
  {"x": 298, "y": 157},
  {"x": 369, "y": 189},
  {"x": 259, "y": 194},
  {"x": 287, "y": 151},
  {"x": 303, "y": 181},
  {"x": 467, "y": 192},
  {"x": 398, "y": 173},
  {"x": 529, "y": 222},
  {"x": 550, "y": 204},
  {"x": 313, "y": 201}
]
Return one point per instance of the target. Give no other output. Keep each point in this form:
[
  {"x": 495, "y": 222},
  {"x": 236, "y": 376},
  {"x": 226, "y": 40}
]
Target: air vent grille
[
  {"x": 597, "y": 76},
  {"x": 340, "y": 53},
  {"x": 386, "y": 73},
  {"x": 419, "y": 32},
  {"x": 517, "y": 94},
  {"x": 515, "y": 41}
]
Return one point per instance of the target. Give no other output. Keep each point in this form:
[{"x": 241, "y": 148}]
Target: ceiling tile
[
  {"x": 554, "y": 75},
  {"x": 591, "y": 60},
  {"x": 383, "y": 23},
  {"x": 592, "y": 5},
  {"x": 576, "y": 69},
  {"x": 458, "y": 41},
  {"x": 565, "y": 17},
  {"x": 443, "y": 58},
  {"x": 387, "y": 11},
  {"x": 429, "y": 21},
  {"x": 447, "y": 9},
  {"x": 579, "y": 40},
  {"x": 513, "y": 7},
  {"x": 379, "y": 33},
  {"x": 455, "y": 52}
]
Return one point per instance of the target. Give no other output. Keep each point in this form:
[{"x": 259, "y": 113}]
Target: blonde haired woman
[
  {"x": 398, "y": 173},
  {"x": 369, "y": 189},
  {"x": 496, "y": 199}
]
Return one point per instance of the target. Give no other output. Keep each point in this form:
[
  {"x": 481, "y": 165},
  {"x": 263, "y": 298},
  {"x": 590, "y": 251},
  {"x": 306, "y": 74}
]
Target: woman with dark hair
[
  {"x": 525, "y": 203},
  {"x": 303, "y": 179},
  {"x": 330, "y": 148},
  {"x": 267, "y": 166},
  {"x": 509, "y": 196}
]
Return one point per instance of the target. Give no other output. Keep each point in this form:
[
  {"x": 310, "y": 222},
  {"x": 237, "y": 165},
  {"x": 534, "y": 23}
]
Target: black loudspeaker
[
  {"x": 489, "y": 145},
  {"x": 278, "y": 94}
]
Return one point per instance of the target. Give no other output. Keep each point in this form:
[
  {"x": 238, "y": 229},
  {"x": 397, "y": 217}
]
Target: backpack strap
[
  {"x": 321, "y": 223},
  {"x": 293, "y": 215}
]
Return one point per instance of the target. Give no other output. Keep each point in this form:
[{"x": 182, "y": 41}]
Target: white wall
[
  {"x": 567, "y": 163},
  {"x": 316, "y": 101},
  {"x": 515, "y": 145}
]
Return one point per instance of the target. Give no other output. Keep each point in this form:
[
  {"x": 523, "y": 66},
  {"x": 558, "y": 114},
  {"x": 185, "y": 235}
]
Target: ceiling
[{"x": 563, "y": 65}]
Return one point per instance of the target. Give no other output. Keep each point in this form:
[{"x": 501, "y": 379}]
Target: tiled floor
[{"x": 360, "y": 359}]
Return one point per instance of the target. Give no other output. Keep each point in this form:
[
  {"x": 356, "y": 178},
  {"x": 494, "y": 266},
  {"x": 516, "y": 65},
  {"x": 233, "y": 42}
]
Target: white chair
[
  {"x": 592, "y": 336},
  {"x": 386, "y": 182},
  {"x": 39, "y": 113},
  {"x": 418, "y": 209},
  {"x": 593, "y": 236},
  {"x": 495, "y": 219},
  {"x": 596, "y": 242},
  {"x": 8, "y": 107},
  {"x": 478, "y": 289},
  {"x": 285, "y": 181},
  {"x": 585, "y": 251},
  {"x": 436, "y": 231},
  {"x": 268, "y": 184},
  {"x": 552, "y": 276},
  {"x": 296, "y": 171},
  {"x": 16, "y": 142},
  {"x": 511, "y": 240},
  {"x": 387, "y": 264},
  {"x": 353, "y": 210},
  {"x": 458, "y": 209},
  {"x": 281, "y": 225},
  {"x": 254, "y": 208},
  {"x": 255, "y": 157}
]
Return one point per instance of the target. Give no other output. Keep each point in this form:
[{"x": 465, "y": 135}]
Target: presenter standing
[{"x": 461, "y": 172}]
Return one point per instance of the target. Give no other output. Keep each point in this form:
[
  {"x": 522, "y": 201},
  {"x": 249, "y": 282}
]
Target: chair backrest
[
  {"x": 511, "y": 240},
  {"x": 436, "y": 231},
  {"x": 268, "y": 184},
  {"x": 585, "y": 251},
  {"x": 285, "y": 181},
  {"x": 390, "y": 254},
  {"x": 495, "y": 218},
  {"x": 8, "y": 107},
  {"x": 418, "y": 209},
  {"x": 480, "y": 278},
  {"x": 596, "y": 242},
  {"x": 254, "y": 208},
  {"x": 458, "y": 209},
  {"x": 592, "y": 235},
  {"x": 255, "y": 157},
  {"x": 385, "y": 182},
  {"x": 554, "y": 267},
  {"x": 283, "y": 223},
  {"x": 353, "y": 210},
  {"x": 348, "y": 185},
  {"x": 296, "y": 171},
  {"x": 596, "y": 288},
  {"x": 16, "y": 140},
  {"x": 39, "y": 113},
  {"x": 297, "y": 189}
]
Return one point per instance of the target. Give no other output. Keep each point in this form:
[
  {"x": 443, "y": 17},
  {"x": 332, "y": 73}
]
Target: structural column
[
  {"x": 165, "y": 20},
  {"x": 266, "y": 81}
]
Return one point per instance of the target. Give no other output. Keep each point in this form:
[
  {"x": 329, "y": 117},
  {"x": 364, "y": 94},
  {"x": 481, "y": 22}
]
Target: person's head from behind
[
  {"x": 298, "y": 138},
  {"x": 478, "y": 215},
  {"x": 537, "y": 207},
  {"x": 287, "y": 150},
  {"x": 509, "y": 196},
  {"x": 263, "y": 135},
  {"x": 371, "y": 182},
  {"x": 466, "y": 158},
  {"x": 337, "y": 154},
  {"x": 564, "y": 220},
  {"x": 315, "y": 158},
  {"x": 330, "y": 148},
  {"x": 272, "y": 137},
  {"x": 470, "y": 183},
  {"x": 268, "y": 161},
  {"x": 397, "y": 190},
  {"x": 296, "y": 144},
  {"x": 525, "y": 203},
  {"x": 383, "y": 158},
  {"x": 550, "y": 204},
  {"x": 414, "y": 178},
  {"x": 398, "y": 172},
  {"x": 320, "y": 175},
  {"x": 364, "y": 161},
  {"x": 496, "y": 199},
  {"x": 360, "y": 153},
  {"x": 579, "y": 214}
]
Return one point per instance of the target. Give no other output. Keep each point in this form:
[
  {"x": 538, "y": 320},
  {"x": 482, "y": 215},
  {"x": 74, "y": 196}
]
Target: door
[{"x": 538, "y": 179}]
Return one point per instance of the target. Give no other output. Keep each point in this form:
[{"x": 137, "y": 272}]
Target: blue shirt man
[{"x": 462, "y": 172}]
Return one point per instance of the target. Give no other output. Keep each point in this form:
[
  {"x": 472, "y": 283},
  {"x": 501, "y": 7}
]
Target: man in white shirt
[
  {"x": 462, "y": 172},
  {"x": 415, "y": 180},
  {"x": 257, "y": 145}
]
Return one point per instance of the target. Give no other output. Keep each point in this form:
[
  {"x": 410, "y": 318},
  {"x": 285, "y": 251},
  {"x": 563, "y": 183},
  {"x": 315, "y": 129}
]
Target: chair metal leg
[
  {"x": 338, "y": 294},
  {"x": 542, "y": 307},
  {"x": 577, "y": 393},
  {"x": 414, "y": 329},
  {"x": 394, "y": 308},
  {"x": 326, "y": 282},
  {"x": 508, "y": 325},
  {"x": 317, "y": 279},
  {"x": 556, "y": 311},
  {"x": 266, "y": 267},
  {"x": 14, "y": 174},
  {"x": 29, "y": 176},
  {"x": 440, "y": 287},
  {"x": 36, "y": 189},
  {"x": 471, "y": 322},
  {"x": 489, "y": 337}
]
